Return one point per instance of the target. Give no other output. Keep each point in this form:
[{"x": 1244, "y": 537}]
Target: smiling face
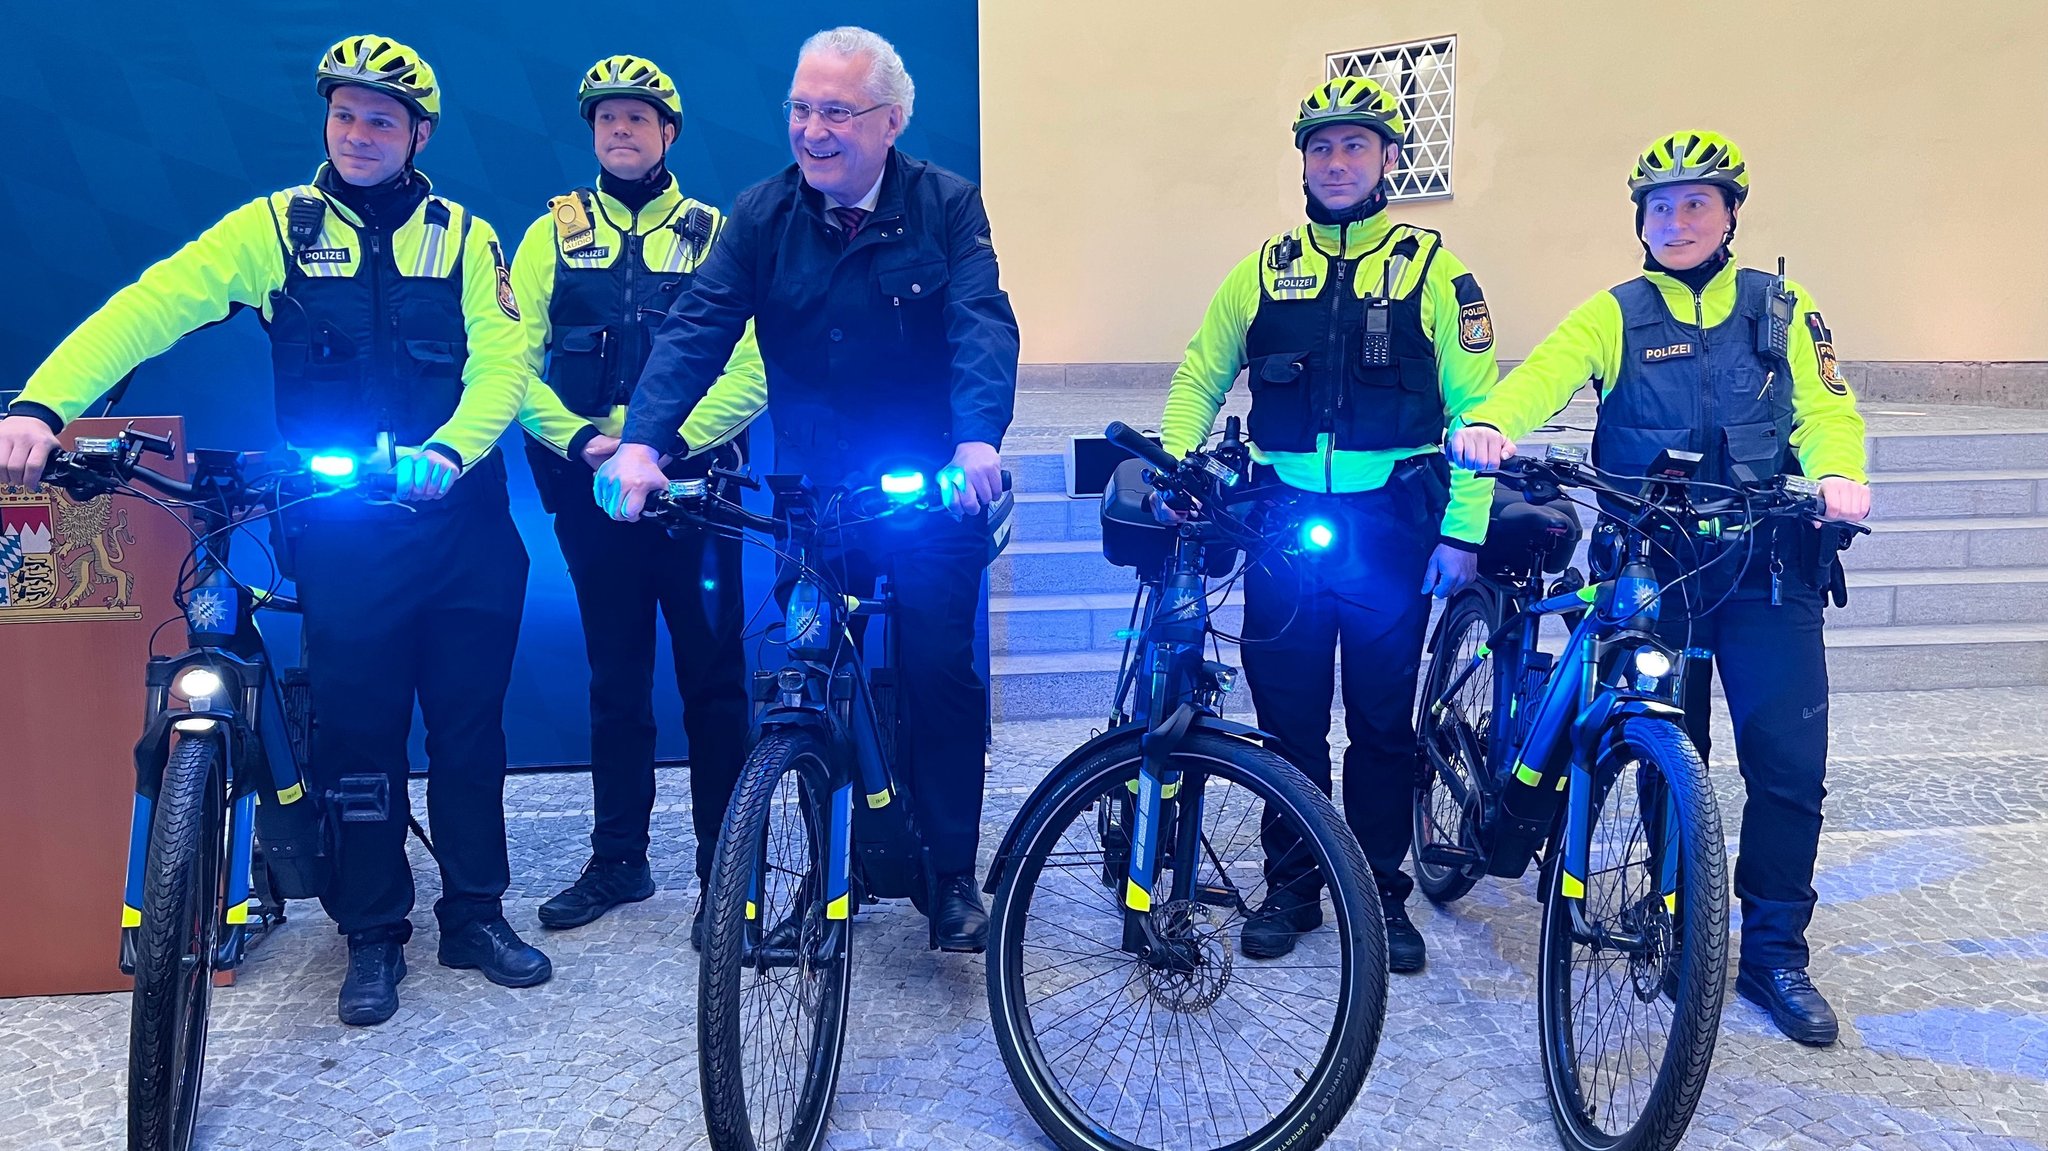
[
  {"x": 841, "y": 160},
  {"x": 370, "y": 134},
  {"x": 1343, "y": 163},
  {"x": 631, "y": 137},
  {"x": 1685, "y": 224}
]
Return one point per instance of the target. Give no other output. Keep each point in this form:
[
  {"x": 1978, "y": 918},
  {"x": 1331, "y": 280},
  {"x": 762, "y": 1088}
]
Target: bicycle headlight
[
  {"x": 198, "y": 683},
  {"x": 1652, "y": 663},
  {"x": 1317, "y": 535}
]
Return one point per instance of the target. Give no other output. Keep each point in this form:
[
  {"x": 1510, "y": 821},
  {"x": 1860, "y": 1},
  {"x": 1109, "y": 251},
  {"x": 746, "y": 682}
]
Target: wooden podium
[{"x": 86, "y": 585}]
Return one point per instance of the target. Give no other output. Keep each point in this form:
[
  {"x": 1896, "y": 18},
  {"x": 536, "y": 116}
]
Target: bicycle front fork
[{"x": 1660, "y": 824}]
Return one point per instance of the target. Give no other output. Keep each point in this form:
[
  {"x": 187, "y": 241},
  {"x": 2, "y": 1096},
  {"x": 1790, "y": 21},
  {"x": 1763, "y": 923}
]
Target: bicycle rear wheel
[
  {"x": 771, "y": 1005},
  {"x": 1454, "y": 735},
  {"x": 1209, "y": 1049},
  {"x": 1630, "y": 998},
  {"x": 174, "y": 956}
]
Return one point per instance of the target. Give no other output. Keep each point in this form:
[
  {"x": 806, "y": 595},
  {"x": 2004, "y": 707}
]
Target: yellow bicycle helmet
[
  {"x": 383, "y": 65},
  {"x": 1690, "y": 158},
  {"x": 1350, "y": 100},
  {"x": 634, "y": 77}
]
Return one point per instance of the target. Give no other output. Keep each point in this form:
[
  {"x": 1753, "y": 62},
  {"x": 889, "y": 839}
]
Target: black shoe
[
  {"x": 1795, "y": 1004},
  {"x": 495, "y": 949},
  {"x": 697, "y": 920},
  {"x": 1282, "y": 919},
  {"x": 959, "y": 921},
  {"x": 604, "y": 884},
  {"x": 369, "y": 992},
  {"x": 1406, "y": 953}
]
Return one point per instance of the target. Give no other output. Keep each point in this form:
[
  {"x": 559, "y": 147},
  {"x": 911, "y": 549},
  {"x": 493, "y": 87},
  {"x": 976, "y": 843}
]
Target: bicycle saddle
[{"x": 1519, "y": 531}]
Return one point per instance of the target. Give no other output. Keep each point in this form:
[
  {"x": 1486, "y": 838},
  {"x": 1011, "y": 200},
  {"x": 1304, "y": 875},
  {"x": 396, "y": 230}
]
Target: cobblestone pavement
[{"x": 1932, "y": 940}]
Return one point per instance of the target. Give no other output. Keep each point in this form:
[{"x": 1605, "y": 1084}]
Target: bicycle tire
[
  {"x": 737, "y": 1119},
  {"x": 1698, "y": 939},
  {"x": 1466, "y": 624},
  {"x": 1330, "y": 1086},
  {"x": 175, "y": 952}
]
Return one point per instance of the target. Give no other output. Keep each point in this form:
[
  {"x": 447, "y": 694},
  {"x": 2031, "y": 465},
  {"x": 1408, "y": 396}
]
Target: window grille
[{"x": 1423, "y": 75}]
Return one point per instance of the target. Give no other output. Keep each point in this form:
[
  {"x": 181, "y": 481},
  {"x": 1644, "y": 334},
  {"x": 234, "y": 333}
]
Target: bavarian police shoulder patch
[
  {"x": 1475, "y": 323},
  {"x": 507, "y": 303},
  {"x": 1475, "y": 327},
  {"x": 1824, "y": 354}
]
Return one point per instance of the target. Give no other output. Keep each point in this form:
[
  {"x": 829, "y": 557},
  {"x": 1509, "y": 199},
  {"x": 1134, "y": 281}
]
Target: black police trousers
[
  {"x": 1360, "y": 597},
  {"x": 623, "y": 574},
  {"x": 405, "y": 607},
  {"x": 1774, "y": 673},
  {"x": 933, "y": 564}
]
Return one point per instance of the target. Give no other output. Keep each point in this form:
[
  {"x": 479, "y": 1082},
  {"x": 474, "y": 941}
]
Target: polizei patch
[
  {"x": 324, "y": 256},
  {"x": 1667, "y": 352},
  {"x": 1294, "y": 283},
  {"x": 1475, "y": 327}
]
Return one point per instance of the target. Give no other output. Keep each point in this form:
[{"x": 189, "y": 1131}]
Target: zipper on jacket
[
  {"x": 1706, "y": 425},
  {"x": 383, "y": 353}
]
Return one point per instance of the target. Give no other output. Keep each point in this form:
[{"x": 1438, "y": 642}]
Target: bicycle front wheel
[
  {"x": 174, "y": 956},
  {"x": 1192, "y": 1045},
  {"x": 1630, "y": 994},
  {"x": 771, "y": 1003},
  {"x": 1454, "y": 734}
]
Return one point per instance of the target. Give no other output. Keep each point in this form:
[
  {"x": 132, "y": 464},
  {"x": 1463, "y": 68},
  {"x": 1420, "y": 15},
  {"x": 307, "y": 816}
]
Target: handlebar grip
[{"x": 1133, "y": 441}]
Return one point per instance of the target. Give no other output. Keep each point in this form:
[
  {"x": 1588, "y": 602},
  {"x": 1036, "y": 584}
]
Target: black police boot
[
  {"x": 369, "y": 992},
  {"x": 1283, "y": 918},
  {"x": 604, "y": 884},
  {"x": 959, "y": 921},
  {"x": 1795, "y": 1004},
  {"x": 495, "y": 949},
  {"x": 1406, "y": 953}
]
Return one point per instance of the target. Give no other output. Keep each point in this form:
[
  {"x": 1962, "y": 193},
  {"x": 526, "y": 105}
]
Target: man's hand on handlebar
[
  {"x": 627, "y": 479},
  {"x": 973, "y": 480},
  {"x": 25, "y": 446},
  {"x": 1844, "y": 499},
  {"x": 423, "y": 474},
  {"x": 1479, "y": 448},
  {"x": 1449, "y": 569}
]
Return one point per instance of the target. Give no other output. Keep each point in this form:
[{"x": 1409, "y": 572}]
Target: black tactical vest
[
  {"x": 1708, "y": 391},
  {"x": 1320, "y": 360},
  {"x": 603, "y": 316},
  {"x": 373, "y": 351}
]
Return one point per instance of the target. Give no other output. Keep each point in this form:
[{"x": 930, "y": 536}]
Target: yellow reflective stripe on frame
[
  {"x": 1572, "y": 886},
  {"x": 131, "y": 916},
  {"x": 836, "y": 909},
  {"x": 1136, "y": 898}
]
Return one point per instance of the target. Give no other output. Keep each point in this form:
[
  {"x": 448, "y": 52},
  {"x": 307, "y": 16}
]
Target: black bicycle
[
  {"x": 1581, "y": 760},
  {"x": 226, "y": 826},
  {"x": 819, "y": 822},
  {"x": 1125, "y": 1016}
]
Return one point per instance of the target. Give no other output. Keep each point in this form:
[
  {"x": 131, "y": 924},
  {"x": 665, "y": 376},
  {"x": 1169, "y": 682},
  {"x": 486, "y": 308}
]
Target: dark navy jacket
[{"x": 881, "y": 353}]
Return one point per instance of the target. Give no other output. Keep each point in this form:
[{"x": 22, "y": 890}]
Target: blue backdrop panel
[{"x": 130, "y": 127}]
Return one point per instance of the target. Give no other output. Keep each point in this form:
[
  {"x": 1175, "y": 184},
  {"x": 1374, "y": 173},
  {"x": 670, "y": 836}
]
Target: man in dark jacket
[{"x": 888, "y": 344}]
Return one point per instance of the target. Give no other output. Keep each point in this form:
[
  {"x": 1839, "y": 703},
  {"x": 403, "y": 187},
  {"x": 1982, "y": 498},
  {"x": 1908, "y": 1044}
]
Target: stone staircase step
[
  {"x": 1860, "y": 659},
  {"x": 1944, "y": 596},
  {"x": 1916, "y": 544},
  {"x": 1057, "y": 567},
  {"x": 1038, "y": 624}
]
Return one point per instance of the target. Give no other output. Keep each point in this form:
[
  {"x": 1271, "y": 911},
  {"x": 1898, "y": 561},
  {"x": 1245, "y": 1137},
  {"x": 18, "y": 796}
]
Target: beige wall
[{"x": 1133, "y": 150}]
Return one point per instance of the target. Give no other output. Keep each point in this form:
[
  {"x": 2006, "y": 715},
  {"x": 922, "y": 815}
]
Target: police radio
[
  {"x": 694, "y": 229},
  {"x": 1376, "y": 350},
  {"x": 303, "y": 220},
  {"x": 1773, "y": 335},
  {"x": 1284, "y": 253}
]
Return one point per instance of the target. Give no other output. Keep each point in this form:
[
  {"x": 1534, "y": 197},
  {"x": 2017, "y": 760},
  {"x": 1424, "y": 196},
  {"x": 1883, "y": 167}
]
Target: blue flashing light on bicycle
[
  {"x": 903, "y": 486},
  {"x": 1317, "y": 535},
  {"x": 334, "y": 467}
]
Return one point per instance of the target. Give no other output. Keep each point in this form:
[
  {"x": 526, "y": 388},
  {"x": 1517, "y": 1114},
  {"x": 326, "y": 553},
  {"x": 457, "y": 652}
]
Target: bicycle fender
[
  {"x": 1131, "y": 733},
  {"x": 1608, "y": 711}
]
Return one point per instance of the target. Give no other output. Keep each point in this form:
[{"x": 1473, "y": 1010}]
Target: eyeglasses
[{"x": 799, "y": 112}]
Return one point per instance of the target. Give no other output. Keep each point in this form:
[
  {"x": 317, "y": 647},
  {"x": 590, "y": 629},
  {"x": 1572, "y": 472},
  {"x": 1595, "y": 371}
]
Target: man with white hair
[{"x": 887, "y": 342}]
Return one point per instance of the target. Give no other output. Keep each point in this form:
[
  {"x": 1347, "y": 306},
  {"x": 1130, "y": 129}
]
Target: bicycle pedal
[
  {"x": 362, "y": 798},
  {"x": 1443, "y": 855}
]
